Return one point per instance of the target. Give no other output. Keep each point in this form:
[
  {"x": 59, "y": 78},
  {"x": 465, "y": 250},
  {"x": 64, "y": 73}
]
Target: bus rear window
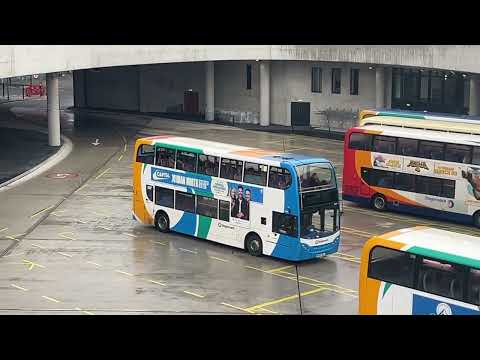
[{"x": 359, "y": 141}]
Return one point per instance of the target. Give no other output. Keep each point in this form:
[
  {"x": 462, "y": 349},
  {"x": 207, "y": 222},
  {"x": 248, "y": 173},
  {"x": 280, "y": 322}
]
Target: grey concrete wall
[
  {"x": 163, "y": 86},
  {"x": 232, "y": 98},
  {"x": 16, "y": 60},
  {"x": 113, "y": 88}
]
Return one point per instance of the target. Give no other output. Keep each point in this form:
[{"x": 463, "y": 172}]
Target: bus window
[
  {"x": 185, "y": 201},
  {"x": 164, "y": 197},
  {"x": 448, "y": 188},
  {"x": 284, "y": 224},
  {"x": 186, "y": 161},
  {"x": 476, "y": 155},
  {"x": 279, "y": 178},
  {"x": 381, "y": 178},
  {"x": 315, "y": 175},
  {"x": 404, "y": 182},
  {"x": 429, "y": 186},
  {"x": 208, "y": 165},
  {"x": 145, "y": 154},
  {"x": 393, "y": 266},
  {"x": 165, "y": 157},
  {"x": 231, "y": 169},
  {"x": 384, "y": 144},
  {"x": 224, "y": 210},
  {"x": 359, "y": 141},
  {"x": 255, "y": 173},
  {"x": 458, "y": 153},
  {"x": 431, "y": 150},
  {"x": 318, "y": 224},
  {"x": 207, "y": 206},
  {"x": 407, "y": 147},
  {"x": 474, "y": 290},
  {"x": 444, "y": 279}
]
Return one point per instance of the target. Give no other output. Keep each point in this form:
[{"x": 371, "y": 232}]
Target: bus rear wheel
[
  {"x": 253, "y": 245},
  {"x": 476, "y": 219},
  {"x": 379, "y": 203},
  {"x": 162, "y": 222}
]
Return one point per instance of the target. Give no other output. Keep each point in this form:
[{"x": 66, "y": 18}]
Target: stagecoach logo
[
  {"x": 444, "y": 309},
  {"x": 160, "y": 175},
  {"x": 418, "y": 165},
  {"x": 450, "y": 204}
]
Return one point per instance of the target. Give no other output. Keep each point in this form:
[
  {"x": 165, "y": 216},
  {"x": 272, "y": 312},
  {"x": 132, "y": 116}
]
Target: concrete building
[{"x": 319, "y": 86}]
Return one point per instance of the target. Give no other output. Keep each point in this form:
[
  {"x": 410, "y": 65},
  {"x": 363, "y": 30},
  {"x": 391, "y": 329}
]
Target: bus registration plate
[{"x": 321, "y": 255}]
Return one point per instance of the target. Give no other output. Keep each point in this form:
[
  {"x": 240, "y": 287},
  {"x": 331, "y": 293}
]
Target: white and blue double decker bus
[{"x": 278, "y": 204}]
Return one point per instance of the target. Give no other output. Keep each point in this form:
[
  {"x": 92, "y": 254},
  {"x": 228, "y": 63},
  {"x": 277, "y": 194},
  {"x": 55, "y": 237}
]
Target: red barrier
[{"x": 35, "y": 90}]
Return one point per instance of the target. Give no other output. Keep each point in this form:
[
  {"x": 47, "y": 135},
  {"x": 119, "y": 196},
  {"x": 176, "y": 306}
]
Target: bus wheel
[
  {"x": 379, "y": 203},
  {"x": 253, "y": 244},
  {"x": 162, "y": 223},
  {"x": 476, "y": 219}
]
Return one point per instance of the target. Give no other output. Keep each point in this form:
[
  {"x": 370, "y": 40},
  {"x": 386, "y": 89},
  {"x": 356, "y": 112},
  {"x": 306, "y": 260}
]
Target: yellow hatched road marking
[
  {"x": 131, "y": 235},
  {"x": 280, "y": 268},
  {"x": 159, "y": 243},
  {"x": 103, "y": 173},
  {"x": 193, "y": 294},
  {"x": 238, "y": 308},
  {"x": 41, "y": 211},
  {"x": 190, "y": 251},
  {"x": 3, "y": 229},
  {"x": 286, "y": 298},
  {"x": 84, "y": 311},
  {"x": 123, "y": 272},
  {"x": 268, "y": 310},
  {"x": 344, "y": 258},
  {"x": 64, "y": 254},
  {"x": 219, "y": 259},
  {"x": 51, "y": 299},
  {"x": 91, "y": 262},
  {"x": 156, "y": 282},
  {"x": 80, "y": 221},
  {"x": 64, "y": 235},
  {"x": 32, "y": 264},
  {"x": 19, "y": 287},
  {"x": 41, "y": 247},
  {"x": 120, "y": 157}
]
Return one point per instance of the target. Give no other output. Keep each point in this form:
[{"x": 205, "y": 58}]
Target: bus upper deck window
[
  {"x": 145, "y": 154},
  {"x": 476, "y": 155},
  {"x": 279, "y": 178},
  {"x": 360, "y": 141}
]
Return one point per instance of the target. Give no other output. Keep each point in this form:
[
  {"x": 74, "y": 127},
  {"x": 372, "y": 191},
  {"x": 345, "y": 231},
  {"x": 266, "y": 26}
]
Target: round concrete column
[
  {"x": 473, "y": 107},
  {"x": 379, "y": 87},
  {"x": 53, "y": 106},
  {"x": 209, "y": 91},
  {"x": 264, "y": 93}
]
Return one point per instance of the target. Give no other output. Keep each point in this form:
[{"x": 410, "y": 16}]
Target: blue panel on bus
[
  {"x": 426, "y": 306},
  {"x": 187, "y": 224},
  {"x": 294, "y": 159}
]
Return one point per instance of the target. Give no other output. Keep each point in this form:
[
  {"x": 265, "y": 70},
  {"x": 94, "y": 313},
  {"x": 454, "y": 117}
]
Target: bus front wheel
[
  {"x": 162, "y": 223},
  {"x": 253, "y": 244},
  {"x": 476, "y": 219},
  {"x": 379, "y": 203}
]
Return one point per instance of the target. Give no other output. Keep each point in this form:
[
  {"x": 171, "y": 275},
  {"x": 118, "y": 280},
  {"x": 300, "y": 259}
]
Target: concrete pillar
[
  {"x": 53, "y": 109},
  {"x": 209, "y": 91},
  {"x": 474, "y": 106},
  {"x": 388, "y": 87},
  {"x": 264, "y": 93},
  {"x": 379, "y": 87}
]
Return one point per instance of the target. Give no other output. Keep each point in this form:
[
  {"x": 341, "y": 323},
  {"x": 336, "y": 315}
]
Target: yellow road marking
[
  {"x": 41, "y": 247},
  {"x": 84, "y": 311},
  {"x": 219, "y": 259},
  {"x": 91, "y": 262},
  {"x": 3, "y": 229},
  {"x": 103, "y": 173},
  {"x": 81, "y": 187},
  {"x": 238, "y": 308},
  {"x": 80, "y": 221},
  {"x": 41, "y": 211},
  {"x": 57, "y": 212},
  {"x": 120, "y": 157},
  {"x": 32, "y": 264},
  {"x": 359, "y": 231},
  {"x": 190, "y": 251},
  {"x": 125, "y": 147},
  {"x": 104, "y": 227},
  {"x": 321, "y": 283},
  {"x": 67, "y": 255},
  {"x": 159, "y": 243},
  {"x": 344, "y": 258},
  {"x": 19, "y": 287},
  {"x": 66, "y": 236},
  {"x": 280, "y": 268},
  {"x": 268, "y": 310},
  {"x": 156, "y": 282},
  {"x": 14, "y": 237},
  {"x": 131, "y": 235},
  {"x": 286, "y": 298},
  {"x": 194, "y": 294},
  {"x": 123, "y": 272},
  {"x": 51, "y": 299}
]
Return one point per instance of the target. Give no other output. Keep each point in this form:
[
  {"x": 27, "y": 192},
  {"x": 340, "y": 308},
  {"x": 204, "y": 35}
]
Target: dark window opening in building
[
  {"x": 429, "y": 90},
  {"x": 316, "y": 79},
  {"x": 354, "y": 76},
  {"x": 249, "y": 77},
  {"x": 336, "y": 81}
]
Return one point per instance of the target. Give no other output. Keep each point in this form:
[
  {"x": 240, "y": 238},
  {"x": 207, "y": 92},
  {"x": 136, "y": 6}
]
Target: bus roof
[
  {"x": 222, "y": 149},
  {"x": 432, "y": 135},
  {"x": 422, "y": 120},
  {"x": 435, "y": 243}
]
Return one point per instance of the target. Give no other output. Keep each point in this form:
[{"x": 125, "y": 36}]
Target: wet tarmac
[{"x": 73, "y": 247}]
